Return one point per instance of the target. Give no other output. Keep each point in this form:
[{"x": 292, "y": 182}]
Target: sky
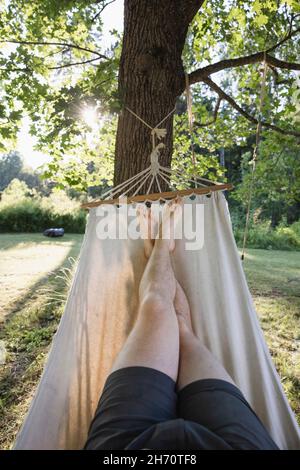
[{"x": 112, "y": 18}]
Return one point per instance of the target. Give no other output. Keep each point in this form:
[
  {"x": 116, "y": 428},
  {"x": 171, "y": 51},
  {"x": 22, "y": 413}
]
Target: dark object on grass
[{"x": 54, "y": 232}]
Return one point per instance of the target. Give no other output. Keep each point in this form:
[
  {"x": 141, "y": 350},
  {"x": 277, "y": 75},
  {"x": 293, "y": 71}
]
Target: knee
[
  {"x": 153, "y": 291},
  {"x": 188, "y": 339},
  {"x": 153, "y": 302}
]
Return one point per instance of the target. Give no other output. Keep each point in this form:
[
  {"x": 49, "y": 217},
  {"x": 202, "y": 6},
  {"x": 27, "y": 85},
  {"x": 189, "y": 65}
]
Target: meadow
[{"x": 35, "y": 276}]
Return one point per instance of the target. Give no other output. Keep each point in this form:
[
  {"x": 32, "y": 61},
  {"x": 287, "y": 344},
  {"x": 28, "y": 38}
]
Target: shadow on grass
[
  {"x": 9, "y": 241},
  {"x": 27, "y": 331},
  {"x": 50, "y": 278}
]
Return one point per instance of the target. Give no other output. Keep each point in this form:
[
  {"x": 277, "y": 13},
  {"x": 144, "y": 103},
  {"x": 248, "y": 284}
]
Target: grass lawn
[
  {"x": 26, "y": 261},
  {"x": 33, "y": 303},
  {"x": 30, "y": 311},
  {"x": 274, "y": 281}
]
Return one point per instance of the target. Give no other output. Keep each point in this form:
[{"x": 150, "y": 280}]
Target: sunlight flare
[{"x": 90, "y": 116}]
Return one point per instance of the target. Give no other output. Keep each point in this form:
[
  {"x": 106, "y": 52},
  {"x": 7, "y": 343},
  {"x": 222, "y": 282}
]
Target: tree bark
[{"x": 151, "y": 77}]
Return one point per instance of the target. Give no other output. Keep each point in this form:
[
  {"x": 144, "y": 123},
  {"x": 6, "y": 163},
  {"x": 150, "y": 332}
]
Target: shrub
[
  {"x": 35, "y": 215},
  {"x": 261, "y": 235},
  {"x": 16, "y": 190},
  {"x": 295, "y": 227}
]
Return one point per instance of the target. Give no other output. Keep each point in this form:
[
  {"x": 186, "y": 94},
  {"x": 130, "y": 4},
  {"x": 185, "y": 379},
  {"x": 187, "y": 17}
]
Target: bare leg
[
  {"x": 148, "y": 228},
  {"x": 154, "y": 340},
  {"x": 196, "y": 362}
]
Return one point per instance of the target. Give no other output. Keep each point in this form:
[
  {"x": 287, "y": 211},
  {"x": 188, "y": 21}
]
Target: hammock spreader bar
[
  {"x": 163, "y": 195},
  {"x": 157, "y": 174}
]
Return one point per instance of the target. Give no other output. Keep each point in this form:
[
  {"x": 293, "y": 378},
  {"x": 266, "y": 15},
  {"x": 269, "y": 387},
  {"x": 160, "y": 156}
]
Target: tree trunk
[{"x": 151, "y": 77}]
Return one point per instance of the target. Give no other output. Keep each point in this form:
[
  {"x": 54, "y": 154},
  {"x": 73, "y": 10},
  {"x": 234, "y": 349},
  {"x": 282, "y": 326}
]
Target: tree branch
[
  {"x": 288, "y": 36},
  {"x": 215, "y": 115},
  {"x": 57, "y": 67},
  {"x": 282, "y": 64},
  {"x": 275, "y": 74},
  {"x": 61, "y": 50},
  {"x": 244, "y": 113},
  {"x": 101, "y": 10},
  {"x": 45, "y": 43},
  {"x": 199, "y": 74}
]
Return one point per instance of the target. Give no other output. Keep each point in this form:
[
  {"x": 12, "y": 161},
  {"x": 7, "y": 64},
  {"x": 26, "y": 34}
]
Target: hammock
[{"x": 101, "y": 310}]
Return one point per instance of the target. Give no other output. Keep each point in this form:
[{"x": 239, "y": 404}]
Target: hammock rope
[
  {"x": 156, "y": 131},
  {"x": 156, "y": 172},
  {"x": 159, "y": 174},
  {"x": 189, "y": 102},
  {"x": 255, "y": 154}
]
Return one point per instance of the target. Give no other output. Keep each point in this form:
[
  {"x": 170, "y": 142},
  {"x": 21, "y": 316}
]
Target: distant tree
[
  {"x": 10, "y": 167},
  {"x": 276, "y": 188},
  {"x": 31, "y": 178},
  {"x": 16, "y": 190}
]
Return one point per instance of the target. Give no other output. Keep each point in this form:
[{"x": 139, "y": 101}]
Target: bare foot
[
  {"x": 147, "y": 227},
  {"x": 170, "y": 215}
]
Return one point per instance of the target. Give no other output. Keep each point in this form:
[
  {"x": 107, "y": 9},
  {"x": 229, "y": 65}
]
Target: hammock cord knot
[
  {"x": 154, "y": 158},
  {"x": 156, "y": 131}
]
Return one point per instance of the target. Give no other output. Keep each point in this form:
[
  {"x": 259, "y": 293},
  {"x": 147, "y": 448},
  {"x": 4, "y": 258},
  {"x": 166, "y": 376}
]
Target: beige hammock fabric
[{"x": 101, "y": 311}]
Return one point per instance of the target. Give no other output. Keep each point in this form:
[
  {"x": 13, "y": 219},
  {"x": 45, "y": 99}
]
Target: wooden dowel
[{"x": 155, "y": 196}]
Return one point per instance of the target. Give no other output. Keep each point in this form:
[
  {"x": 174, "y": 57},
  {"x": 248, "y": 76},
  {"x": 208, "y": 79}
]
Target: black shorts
[{"x": 140, "y": 409}]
